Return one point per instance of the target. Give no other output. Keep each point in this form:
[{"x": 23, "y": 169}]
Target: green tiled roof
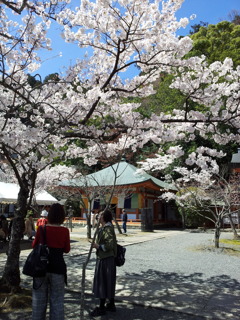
[
  {"x": 236, "y": 157},
  {"x": 123, "y": 172}
]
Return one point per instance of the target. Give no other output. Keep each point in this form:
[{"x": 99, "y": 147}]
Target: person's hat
[{"x": 44, "y": 213}]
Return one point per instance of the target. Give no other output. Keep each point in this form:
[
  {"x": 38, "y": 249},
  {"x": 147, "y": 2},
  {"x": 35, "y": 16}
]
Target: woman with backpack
[
  {"x": 51, "y": 287},
  {"x": 105, "y": 270}
]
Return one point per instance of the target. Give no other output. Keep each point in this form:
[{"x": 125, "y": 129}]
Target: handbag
[
  {"x": 120, "y": 258},
  {"x": 37, "y": 261}
]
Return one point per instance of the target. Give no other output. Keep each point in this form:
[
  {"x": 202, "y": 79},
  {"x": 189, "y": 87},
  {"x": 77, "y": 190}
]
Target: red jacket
[{"x": 58, "y": 242}]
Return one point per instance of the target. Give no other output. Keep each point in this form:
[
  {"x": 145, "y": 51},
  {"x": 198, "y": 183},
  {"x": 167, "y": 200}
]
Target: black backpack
[
  {"x": 120, "y": 258},
  {"x": 37, "y": 261}
]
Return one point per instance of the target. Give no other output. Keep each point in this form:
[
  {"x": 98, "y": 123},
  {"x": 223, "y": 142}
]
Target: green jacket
[{"x": 108, "y": 243}]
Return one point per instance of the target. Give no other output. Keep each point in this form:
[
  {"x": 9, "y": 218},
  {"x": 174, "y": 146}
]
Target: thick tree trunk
[{"x": 11, "y": 273}]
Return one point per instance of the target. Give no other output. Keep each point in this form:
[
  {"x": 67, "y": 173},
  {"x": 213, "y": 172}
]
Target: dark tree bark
[
  {"x": 11, "y": 274},
  {"x": 89, "y": 229},
  {"x": 117, "y": 224},
  {"x": 217, "y": 233}
]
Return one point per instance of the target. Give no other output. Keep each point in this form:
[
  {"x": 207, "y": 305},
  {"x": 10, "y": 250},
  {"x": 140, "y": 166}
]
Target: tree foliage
[
  {"x": 217, "y": 42},
  {"x": 196, "y": 27}
]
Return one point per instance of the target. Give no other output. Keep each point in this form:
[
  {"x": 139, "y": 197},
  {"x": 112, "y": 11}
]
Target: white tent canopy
[{"x": 9, "y": 194}]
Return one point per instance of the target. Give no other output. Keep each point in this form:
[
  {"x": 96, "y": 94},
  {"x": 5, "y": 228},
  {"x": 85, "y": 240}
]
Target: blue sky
[{"x": 211, "y": 11}]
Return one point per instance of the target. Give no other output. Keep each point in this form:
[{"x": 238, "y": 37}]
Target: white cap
[{"x": 44, "y": 213}]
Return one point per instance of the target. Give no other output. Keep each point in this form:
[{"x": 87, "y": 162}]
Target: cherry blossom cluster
[{"x": 92, "y": 101}]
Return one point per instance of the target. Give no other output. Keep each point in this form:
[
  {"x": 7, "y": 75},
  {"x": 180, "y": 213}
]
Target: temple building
[{"x": 120, "y": 184}]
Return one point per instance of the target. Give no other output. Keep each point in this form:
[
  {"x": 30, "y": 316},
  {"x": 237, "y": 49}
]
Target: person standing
[
  {"x": 96, "y": 218},
  {"x": 29, "y": 226},
  {"x": 105, "y": 270},
  {"x": 124, "y": 220},
  {"x": 43, "y": 220},
  {"x": 44, "y": 212},
  {"x": 92, "y": 219},
  {"x": 52, "y": 285},
  {"x": 3, "y": 228}
]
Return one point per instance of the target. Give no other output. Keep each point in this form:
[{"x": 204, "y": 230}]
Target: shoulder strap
[{"x": 43, "y": 233}]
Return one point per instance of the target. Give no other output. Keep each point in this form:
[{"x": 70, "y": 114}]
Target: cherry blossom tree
[
  {"x": 202, "y": 189},
  {"x": 27, "y": 136},
  {"x": 212, "y": 201}
]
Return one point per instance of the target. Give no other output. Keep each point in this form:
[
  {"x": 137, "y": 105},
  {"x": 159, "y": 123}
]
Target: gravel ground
[
  {"x": 183, "y": 273},
  {"x": 177, "y": 277},
  {"x": 187, "y": 254}
]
